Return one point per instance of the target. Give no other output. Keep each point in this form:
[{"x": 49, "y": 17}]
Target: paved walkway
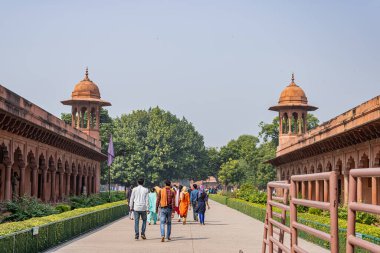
[{"x": 226, "y": 230}]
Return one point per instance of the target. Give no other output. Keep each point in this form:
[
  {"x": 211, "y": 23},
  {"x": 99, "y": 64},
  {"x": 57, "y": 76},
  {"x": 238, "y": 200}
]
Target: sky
[{"x": 220, "y": 64}]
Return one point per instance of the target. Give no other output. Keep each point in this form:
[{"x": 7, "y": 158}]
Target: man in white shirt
[{"x": 139, "y": 206}]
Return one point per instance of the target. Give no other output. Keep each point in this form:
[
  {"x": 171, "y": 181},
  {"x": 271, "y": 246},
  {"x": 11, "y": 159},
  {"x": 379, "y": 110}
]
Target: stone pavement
[{"x": 226, "y": 230}]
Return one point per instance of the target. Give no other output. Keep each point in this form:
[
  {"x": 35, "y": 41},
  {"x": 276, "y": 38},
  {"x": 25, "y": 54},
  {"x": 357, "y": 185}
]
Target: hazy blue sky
[{"x": 220, "y": 64}]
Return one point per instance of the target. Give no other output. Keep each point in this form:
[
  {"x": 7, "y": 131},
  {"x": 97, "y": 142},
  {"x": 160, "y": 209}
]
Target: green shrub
[
  {"x": 366, "y": 218},
  {"x": 86, "y": 201},
  {"x": 249, "y": 193},
  {"x": 63, "y": 208},
  {"x": 10, "y": 227},
  {"x": 24, "y": 208},
  {"x": 315, "y": 211},
  {"x": 342, "y": 213}
]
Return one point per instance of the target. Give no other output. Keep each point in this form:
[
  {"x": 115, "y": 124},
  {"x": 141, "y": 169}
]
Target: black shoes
[
  {"x": 136, "y": 237},
  {"x": 143, "y": 237}
]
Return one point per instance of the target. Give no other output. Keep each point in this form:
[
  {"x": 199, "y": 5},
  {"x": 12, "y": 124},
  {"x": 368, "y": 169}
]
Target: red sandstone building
[
  {"x": 350, "y": 140},
  {"x": 42, "y": 156}
]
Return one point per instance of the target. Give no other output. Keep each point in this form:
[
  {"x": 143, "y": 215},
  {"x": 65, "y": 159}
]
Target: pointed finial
[
  {"x": 293, "y": 77},
  {"x": 86, "y": 73}
]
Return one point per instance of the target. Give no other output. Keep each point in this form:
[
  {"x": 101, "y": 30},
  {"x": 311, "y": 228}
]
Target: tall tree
[{"x": 157, "y": 145}]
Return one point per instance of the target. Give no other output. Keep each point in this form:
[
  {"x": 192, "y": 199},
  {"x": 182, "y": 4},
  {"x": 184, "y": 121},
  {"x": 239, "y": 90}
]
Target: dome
[
  {"x": 86, "y": 89},
  {"x": 294, "y": 97},
  {"x": 293, "y": 94}
]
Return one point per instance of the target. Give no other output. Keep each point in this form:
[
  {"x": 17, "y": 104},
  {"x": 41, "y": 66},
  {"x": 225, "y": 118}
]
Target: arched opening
[
  {"x": 30, "y": 175},
  {"x": 294, "y": 122},
  {"x": 17, "y": 175},
  {"x": 285, "y": 123},
  {"x": 66, "y": 180},
  {"x": 3, "y": 163},
  {"x": 338, "y": 168},
  {"x": 364, "y": 194},
  {"x": 52, "y": 180},
  {"x": 41, "y": 176}
]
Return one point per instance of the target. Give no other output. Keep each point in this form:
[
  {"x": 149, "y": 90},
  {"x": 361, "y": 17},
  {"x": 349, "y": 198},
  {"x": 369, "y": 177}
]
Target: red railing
[
  {"x": 354, "y": 206},
  {"x": 280, "y": 202},
  {"x": 331, "y": 206}
]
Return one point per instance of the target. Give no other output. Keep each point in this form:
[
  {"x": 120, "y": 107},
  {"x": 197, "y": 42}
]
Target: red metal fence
[
  {"x": 355, "y": 206},
  {"x": 331, "y": 206},
  {"x": 280, "y": 202}
]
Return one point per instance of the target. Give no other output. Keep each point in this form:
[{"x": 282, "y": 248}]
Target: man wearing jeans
[
  {"x": 139, "y": 206},
  {"x": 194, "y": 201},
  {"x": 166, "y": 200}
]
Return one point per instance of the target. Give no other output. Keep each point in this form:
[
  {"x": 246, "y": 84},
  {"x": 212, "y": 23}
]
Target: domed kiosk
[
  {"x": 86, "y": 103},
  {"x": 292, "y": 107}
]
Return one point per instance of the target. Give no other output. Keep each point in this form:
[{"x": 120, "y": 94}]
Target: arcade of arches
[
  {"x": 42, "y": 156},
  {"x": 350, "y": 140}
]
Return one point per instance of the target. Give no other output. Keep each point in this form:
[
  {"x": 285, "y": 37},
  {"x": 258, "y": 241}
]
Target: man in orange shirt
[{"x": 166, "y": 200}]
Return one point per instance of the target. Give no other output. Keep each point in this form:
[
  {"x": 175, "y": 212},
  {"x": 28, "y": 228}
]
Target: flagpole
[
  {"x": 111, "y": 156},
  {"x": 109, "y": 184}
]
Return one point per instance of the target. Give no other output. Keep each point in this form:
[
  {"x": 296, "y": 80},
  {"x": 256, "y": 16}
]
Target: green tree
[
  {"x": 232, "y": 172},
  {"x": 270, "y": 131},
  {"x": 157, "y": 145}
]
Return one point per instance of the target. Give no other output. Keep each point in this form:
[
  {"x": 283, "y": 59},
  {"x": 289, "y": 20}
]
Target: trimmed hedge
[
  {"x": 58, "y": 228},
  {"x": 258, "y": 211}
]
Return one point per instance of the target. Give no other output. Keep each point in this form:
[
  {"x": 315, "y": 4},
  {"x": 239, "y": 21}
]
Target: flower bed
[
  {"x": 258, "y": 211},
  {"x": 57, "y": 228}
]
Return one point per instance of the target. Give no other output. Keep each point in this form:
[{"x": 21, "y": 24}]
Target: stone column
[
  {"x": 60, "y": 186},
  {"x": 74, "y": 184},
  {"x": 22, "y": 180},
  {"x": 44, "y": 184},
  {"x": 303, "y": 189},
  {"x": 360, "y": 189},
  {"x": 325, "y": 190},
  {"x": 34, "y": 191},
  {"x": 97, "y": 117},
  {"x": 80, "y": 185},
  {"x": 290, "y": 123},
  {"x": 8, "y": 175},
  {"x": 52, "y": 191},
  {"x": 345, "y": 187},
  {"x": 374, "y": 191},
  {"x": 88, "y": 118},
  {"x": 310, "y": 190},
  {"x": 73, "y": 117},
  {"x": 68, "y": 178},
  {"x": 317, "y": 190}
]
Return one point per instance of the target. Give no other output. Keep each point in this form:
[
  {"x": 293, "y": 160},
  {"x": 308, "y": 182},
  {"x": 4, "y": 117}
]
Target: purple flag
[{"x": 111, "y": 154}]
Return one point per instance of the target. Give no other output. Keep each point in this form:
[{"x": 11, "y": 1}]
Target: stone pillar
[
  {"x": 52, "y": 191},
  {"x": 80, "y": 185},
  {"x": 61, "y": 186},
  {"x": 88, "y": 117},
  {"x": 345, "y": 187},
  {"x": 317, "y": 190},
  {"x": 68, "y": 178},
  {"x": 44, "y": 184},
  {"x": 374, "y": 191},
  {"x": 73, "y": 117},
  {"x": 360, "y": 189},
  {"x": 310, "y": 190},
  {"x": 97, "y": 117},
  {"x": 290, "y": 123},
  {"x": 22, "y": 180},
  {"x": 8, "y": 176},
  {"x": 299, "y": 125},
  {"x": 325, "y": 190},
  {"x": 74, "y": 184},
  {"x": 303, "y": 189},
  {"x": 34, "y": 191},
  {"x": 280, "y": 123}
]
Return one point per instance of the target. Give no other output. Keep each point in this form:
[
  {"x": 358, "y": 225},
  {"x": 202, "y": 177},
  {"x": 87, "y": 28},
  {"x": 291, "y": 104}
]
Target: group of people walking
[{"x": 163, "y": 203}]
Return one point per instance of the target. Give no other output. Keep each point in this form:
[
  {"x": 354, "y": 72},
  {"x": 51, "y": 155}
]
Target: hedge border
[
  {"x": 58, "y": 232},
  {"x": 259, "y": 213}
]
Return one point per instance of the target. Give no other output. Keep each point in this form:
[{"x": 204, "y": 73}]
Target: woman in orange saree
[{"x": 184, "y": 204}]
